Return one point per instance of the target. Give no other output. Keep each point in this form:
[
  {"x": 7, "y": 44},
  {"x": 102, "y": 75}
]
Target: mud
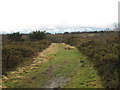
[{"x": 56, "y": 82}]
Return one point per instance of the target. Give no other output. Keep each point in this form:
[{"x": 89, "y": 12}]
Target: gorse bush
[
  {"x": 14, "y": 53},
  {"x": 103, "y": 53},
  {"x": 37, "y": 35},
  {"x": 15, "y": 37}
]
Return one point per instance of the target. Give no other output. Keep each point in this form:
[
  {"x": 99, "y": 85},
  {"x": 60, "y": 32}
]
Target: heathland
[{"x": 68, "y": 60}]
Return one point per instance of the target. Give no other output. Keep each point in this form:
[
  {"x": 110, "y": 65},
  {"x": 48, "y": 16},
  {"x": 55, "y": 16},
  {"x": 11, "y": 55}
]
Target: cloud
[
  {"x": 89, "y": 29},
  {"x": 15, "y": 15},
  {"x": 56, "y": 30},
  {"x": 51, "y": 27}
]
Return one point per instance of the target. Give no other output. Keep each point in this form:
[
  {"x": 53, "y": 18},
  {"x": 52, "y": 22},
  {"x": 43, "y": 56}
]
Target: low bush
[
  {"x": 16, "y": 37},
  {"x": 37, "y": 35},
  {"x": 103, "y": 52},
  {"x": 14, "y": 53}
]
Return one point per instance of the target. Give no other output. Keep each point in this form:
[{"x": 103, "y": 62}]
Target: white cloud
[
  {"x": 88, "y": 29},
  {"x": 51, "y": 27},
  {"x": 68, "y": 30},
  {"x": 56, "y": 30},
  {"x": 20, "y": 14}
]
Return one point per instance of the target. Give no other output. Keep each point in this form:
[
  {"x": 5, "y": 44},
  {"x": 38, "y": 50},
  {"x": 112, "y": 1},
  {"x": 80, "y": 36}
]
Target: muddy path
[{"x": 58, "y": 66}]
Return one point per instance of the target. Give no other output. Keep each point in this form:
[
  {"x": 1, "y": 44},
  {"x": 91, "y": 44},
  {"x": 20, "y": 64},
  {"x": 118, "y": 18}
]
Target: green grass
[
  {"x": 64, "y": 63},
  {"x": 84, "y": 77}
]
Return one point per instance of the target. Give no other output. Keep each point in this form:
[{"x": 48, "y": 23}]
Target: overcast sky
[{"x": 18, "y": 15}]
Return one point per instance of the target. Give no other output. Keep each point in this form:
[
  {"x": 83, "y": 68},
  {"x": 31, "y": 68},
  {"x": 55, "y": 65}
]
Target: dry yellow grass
[
  {"x": 41, "y": 58},
  {"x": 68, "y": 47}
]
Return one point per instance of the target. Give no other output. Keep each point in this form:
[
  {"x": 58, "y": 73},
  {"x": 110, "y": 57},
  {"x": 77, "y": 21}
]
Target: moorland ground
[{"x": 86, "y": 60}]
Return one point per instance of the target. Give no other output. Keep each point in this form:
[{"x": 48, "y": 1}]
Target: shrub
[
  {"x": 15, "y": 37},
  {"x": 102, "y": 50},
  {"x": 37, "y": 35},
  {"x": 14, "y": 53}
]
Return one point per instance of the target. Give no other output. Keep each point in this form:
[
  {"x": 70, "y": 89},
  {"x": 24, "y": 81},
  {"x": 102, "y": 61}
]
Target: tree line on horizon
[{"x": 40, "y": 35}]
